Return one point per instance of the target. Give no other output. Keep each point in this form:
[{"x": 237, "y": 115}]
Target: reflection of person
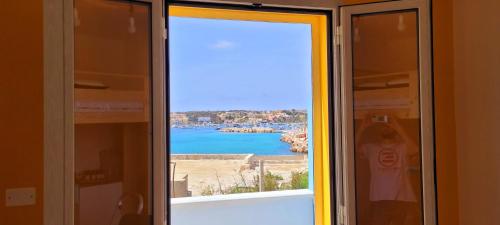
[{"x": 388, "y": 155}]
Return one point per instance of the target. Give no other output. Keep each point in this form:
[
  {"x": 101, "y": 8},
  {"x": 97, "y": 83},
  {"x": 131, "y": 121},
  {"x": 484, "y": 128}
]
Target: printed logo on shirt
[{"x": 388, "y": 158}]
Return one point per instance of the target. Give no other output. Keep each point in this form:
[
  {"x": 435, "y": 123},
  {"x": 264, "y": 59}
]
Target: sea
[{"x": 208, "y": 140}]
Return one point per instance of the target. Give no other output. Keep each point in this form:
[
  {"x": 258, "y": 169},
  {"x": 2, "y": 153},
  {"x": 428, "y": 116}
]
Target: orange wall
[
  {"x": 446, "y": 148},
  {"x": 383, "y": 49},
  {"x": 477, "y": 104},
  {"x": 22, "y": 93},
  {"x": 21, "y": 114}
]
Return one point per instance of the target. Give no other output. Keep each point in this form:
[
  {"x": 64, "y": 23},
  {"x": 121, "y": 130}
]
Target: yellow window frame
[{"x": 321, "y": 134}]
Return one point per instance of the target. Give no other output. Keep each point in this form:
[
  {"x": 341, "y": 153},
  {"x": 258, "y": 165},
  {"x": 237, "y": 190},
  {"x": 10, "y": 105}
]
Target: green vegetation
[
  {"x": 299, "y": 180},
  {"x": 208, "y": 190},
  {"x": 272, "y": 182},
  {"x": 239, "y": 189}
]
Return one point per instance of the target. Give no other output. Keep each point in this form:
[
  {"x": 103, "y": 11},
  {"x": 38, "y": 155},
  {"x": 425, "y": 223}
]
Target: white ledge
[{"x": 243, "y": 196}]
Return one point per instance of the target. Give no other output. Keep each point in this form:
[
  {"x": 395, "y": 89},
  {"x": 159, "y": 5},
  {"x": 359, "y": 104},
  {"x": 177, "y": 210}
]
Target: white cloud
[{"x": 223, "y": 44}]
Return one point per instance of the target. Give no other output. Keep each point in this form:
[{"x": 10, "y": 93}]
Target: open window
[
  {"x": 249, "y": 116},
  {"x": 236, "y": 125},
  {"x": 387, "y": 114},
  {"x": 118, "y": 113}
]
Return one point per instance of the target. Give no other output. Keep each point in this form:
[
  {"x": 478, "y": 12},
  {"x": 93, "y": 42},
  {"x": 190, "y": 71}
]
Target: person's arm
[
  {"x": 367, "y": 122},
  {"x": 413, "y": 149}
]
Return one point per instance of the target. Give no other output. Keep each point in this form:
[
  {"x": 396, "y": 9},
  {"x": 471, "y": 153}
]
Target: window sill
[
  {"x": 243, "y": 196},
  {"x": 293, "y": 207}
]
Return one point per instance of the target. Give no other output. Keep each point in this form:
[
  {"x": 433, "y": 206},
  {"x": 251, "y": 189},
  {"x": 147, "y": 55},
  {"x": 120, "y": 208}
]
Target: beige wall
[{"x": 477, "y": 103}]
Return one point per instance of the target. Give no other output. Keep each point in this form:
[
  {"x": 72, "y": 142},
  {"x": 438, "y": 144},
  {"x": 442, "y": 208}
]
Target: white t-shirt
[{"x": 388, "y": 167}]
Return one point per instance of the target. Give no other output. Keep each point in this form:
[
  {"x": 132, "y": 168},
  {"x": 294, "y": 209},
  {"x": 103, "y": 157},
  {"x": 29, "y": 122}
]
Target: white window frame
[
  {"x": 426, "y": 106},
  {"x": 59, "y": 149}
]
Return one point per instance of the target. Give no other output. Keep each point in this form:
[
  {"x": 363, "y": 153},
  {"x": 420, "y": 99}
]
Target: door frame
[
  {"x": 58, "y": 191},
  {"x": 426, "y": 103},
  {"x": 59, "y": 152},
  {"x": 282, "y": 6},
  {"x": 58, "y": 187}
]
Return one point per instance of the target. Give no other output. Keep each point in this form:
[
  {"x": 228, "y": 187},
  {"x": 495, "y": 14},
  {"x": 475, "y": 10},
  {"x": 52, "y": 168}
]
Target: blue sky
[{"x": 225, "y": 65}]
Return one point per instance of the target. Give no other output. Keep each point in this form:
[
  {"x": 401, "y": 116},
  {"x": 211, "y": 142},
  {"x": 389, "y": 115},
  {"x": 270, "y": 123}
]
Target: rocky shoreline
[{"x": 297, "y": 140}]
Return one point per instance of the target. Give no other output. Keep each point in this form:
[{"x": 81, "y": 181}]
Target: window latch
[
  {"x": 338, "y": 35},
  {"x": 257, "y": 5}
]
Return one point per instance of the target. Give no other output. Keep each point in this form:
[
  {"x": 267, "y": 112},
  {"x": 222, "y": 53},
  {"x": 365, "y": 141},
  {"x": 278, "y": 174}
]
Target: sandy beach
[{"x": 225, "y": 170}]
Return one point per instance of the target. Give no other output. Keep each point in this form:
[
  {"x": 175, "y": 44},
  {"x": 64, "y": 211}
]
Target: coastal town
[
  {"x": 290, "y": 123},
  {"x": 234, "y": 117}
]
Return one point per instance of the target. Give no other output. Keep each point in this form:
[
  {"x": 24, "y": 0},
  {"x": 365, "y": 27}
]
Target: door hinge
[
  {"x": 164, "y": 28},
  {"x": 338, "y": 35}
]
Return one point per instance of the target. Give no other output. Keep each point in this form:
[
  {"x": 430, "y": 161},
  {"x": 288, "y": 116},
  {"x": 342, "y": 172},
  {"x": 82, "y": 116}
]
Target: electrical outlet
[{"x": 20, "y": 197}]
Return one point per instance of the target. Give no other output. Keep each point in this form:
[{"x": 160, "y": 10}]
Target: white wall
[
  {"x": 477, "y": 104},
  {"x": 266, "y": 208}
]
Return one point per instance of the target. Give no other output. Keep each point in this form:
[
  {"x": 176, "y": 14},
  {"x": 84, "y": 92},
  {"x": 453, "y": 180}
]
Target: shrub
[
  {"x": 299, "y": 180},
  {"x": 240, "y": 189},
  {"x": 208, "y": 190},
  {"x": 272, "y": 182}
]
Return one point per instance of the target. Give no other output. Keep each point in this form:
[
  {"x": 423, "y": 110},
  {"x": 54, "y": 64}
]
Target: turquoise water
[{"x": 211, "y": 141}]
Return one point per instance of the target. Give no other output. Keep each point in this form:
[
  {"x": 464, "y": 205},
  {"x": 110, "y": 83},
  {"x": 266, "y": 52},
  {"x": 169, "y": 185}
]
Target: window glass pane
[
  {"x": 112, "y": 113},
  {"x": 240, "y": 92},
  {"x": 387, "y": 118},
  {"x": 240, "y": 121}
]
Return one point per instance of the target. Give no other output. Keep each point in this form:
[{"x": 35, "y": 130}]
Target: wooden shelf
[
  {"x": 114, "y": 81},
  {"x": 104, "y": 97},
  {"x": 395, "y": 93},
  {"x": 82, "y": 184},
  {"x": 110, "y": 106},
  {"x": 97, "y": 73}
]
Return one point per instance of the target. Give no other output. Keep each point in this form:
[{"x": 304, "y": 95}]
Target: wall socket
[{"x": 20, "y": 197}]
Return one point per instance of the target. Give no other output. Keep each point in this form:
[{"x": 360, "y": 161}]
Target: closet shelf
[
  {"x": 97, "y": 73},
  {"x": 394, "y": 93},
  {"x": 109, "y": 106}
]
